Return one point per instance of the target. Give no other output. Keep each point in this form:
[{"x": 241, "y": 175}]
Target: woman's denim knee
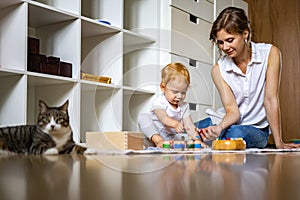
[
  {"x": 204, "y": 123},
  {"x": 254, "y": 137}
]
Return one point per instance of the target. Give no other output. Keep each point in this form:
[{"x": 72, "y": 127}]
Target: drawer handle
[
  {"x": 192, "y": 62},
  {"x": 194, "y": 19},
  {"x": 193, "y": 106}
]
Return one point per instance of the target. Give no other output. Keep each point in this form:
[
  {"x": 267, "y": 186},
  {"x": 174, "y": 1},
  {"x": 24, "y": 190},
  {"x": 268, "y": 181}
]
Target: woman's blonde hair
[{"x": 172, "y": 71}]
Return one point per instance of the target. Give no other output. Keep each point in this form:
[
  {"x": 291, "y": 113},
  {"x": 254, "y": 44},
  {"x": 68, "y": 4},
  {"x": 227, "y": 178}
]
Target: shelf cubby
[
  {"x": 58, "y": 33},
  {"x": 101, "y": 108},
  {"x": 140, "y": 58},
  {"x": 13, "y": 92},
  {"x": 72, "y": 6},
  {"x": 135, "y": 102},
  {"x": 140, "y": 15},
  {"x": 54, "y": 92},
  {"x": 141, "y": 73},
  {"x": 102, "y": 56},
  {"x": 108, "y": 11},
  {"x": 13, "y": 37}
]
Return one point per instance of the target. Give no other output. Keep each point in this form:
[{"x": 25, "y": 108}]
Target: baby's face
[{"x": 175, "y": 91}]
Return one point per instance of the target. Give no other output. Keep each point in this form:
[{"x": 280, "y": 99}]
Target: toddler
[{"x": 169, "y": 116}]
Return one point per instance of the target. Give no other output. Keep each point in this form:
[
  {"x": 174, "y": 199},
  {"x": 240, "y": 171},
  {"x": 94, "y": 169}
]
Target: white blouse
[{"x": 249, "y": 88}]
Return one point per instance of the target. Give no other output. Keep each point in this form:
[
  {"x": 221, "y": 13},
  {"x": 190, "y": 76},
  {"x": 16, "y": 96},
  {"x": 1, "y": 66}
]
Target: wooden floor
[{"x": 157, "y": 176}]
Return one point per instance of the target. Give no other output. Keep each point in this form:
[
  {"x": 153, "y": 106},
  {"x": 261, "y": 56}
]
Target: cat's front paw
[
  {"x": 90, "y": 151},
  {"x": 51, "y": 151}
]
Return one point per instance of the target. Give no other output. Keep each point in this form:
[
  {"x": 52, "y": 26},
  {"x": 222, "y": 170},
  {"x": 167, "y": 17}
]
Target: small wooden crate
[{"x": 124, "y": 140}]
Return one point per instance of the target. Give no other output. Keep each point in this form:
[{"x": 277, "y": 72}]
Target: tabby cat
[{"x": 51, "y": 135}]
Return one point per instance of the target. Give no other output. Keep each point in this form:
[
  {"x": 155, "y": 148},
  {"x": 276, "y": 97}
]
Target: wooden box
[
  {"x": 124, "y": 140},
  {"x": 35, "y": 62},
  {"x": 51, "y": 66},
  {"x": 33, "y": 45},
  {"x": 91, "y": 77},
  {"x": 65, "y": 69}
]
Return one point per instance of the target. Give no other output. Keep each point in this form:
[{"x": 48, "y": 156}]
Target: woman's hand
[
  {"x": 283, "y": 145},
  {"x": 210, "y": 133}
]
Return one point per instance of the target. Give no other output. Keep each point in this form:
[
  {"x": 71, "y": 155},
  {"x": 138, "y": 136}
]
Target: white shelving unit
[
  {"x": 134, "y": 40},
  {"x": 71, "y": 31}
]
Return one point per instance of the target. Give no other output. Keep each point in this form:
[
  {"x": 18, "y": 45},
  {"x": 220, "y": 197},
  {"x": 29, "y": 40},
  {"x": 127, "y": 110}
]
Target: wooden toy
[
  {"x": 229, "y": 144},
  {"x": 166, "y": 145},
  {"x": 123, "y": 140},
  {"x": 92, "y": 77}
]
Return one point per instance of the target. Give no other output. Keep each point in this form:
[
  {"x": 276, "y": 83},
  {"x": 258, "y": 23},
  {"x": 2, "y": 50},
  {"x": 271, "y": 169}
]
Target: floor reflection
[
  {"x": 159, "y": 176},
  {"x": 38, "y": 177}
]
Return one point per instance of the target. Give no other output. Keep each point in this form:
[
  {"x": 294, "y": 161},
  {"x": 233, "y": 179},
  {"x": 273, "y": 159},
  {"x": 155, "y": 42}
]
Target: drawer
[
  {"x": 203, "y": 9},
  {"x": 200, "y": 91},
  {"x": 190, "y": 39}
]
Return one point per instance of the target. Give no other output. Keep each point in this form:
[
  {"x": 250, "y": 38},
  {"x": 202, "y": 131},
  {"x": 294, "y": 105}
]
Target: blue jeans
[{"x": 254, "y": 137}]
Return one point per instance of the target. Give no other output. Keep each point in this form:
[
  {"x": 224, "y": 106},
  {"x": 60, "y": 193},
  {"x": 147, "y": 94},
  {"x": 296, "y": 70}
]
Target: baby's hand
[
  {"x": 160, "y": 144},
  {"x": 179, "y": 128}
]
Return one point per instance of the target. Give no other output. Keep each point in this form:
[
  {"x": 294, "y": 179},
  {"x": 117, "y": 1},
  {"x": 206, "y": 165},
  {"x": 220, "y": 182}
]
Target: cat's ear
[
  {"x": 43, "y": 106},
  {"x": 64, "y": 107}
]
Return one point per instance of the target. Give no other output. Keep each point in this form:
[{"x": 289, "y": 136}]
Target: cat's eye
[{"x": 46, "y": 118}]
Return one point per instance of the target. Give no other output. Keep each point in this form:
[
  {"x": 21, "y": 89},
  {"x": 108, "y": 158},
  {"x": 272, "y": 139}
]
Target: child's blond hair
[{"x": 171, "y": 72}]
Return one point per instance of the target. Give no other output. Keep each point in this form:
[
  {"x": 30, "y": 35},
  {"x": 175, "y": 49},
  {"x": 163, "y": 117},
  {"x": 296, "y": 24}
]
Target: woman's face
[{"x": 232, "y": 44}]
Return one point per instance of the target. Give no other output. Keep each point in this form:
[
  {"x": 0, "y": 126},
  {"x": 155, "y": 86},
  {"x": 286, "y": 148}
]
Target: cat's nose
[{"x": 52, "y": 127}]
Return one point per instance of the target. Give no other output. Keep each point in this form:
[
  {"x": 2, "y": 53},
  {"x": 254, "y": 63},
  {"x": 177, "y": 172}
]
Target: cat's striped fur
[{"x": 51, "y": 135}]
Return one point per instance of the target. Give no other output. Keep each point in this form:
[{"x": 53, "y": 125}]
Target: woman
[{"x": 247, "y": 77}]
